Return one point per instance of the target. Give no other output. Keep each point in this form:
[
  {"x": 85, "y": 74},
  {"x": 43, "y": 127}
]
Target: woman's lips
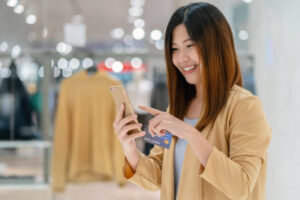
[{"x": 190, "y": 70}]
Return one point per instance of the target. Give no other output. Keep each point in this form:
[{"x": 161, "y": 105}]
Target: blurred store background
[{"x": 46, "y": 44}]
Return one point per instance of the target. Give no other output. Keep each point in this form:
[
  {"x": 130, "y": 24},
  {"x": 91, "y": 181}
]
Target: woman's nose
[{"x": 183, "y": 57}]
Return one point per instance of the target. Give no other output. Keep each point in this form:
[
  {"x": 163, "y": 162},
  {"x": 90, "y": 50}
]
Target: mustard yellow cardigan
[
  {"x": 85, "y": 146},
  {"x": 236, "y": 168}
]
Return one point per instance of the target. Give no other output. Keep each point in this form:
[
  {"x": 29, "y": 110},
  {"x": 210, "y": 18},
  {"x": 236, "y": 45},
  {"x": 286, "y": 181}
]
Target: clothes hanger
[{"x": 92, "y": 70}]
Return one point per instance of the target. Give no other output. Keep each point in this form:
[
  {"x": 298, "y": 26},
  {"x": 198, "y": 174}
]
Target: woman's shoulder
[
  {"x": 238, "y": 94},
  {"x": 240, "y": 100},
  {"x": 237, "y": 90}
]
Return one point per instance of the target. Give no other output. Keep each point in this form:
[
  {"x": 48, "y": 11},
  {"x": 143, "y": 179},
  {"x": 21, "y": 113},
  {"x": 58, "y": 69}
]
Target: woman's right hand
[{"x": 121, "y": 129}]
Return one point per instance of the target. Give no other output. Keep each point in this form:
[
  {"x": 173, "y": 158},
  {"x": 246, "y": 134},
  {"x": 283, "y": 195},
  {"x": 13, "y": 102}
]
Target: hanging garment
[
  {"x": 85, "y": 146},
  {"x": 15, "y": 110}
]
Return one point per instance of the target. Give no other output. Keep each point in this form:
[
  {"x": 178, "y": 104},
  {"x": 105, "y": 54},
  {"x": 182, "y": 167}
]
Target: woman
[{"x": 220, "y": 133}]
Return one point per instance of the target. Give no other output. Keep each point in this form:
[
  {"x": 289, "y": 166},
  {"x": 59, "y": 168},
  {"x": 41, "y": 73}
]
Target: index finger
[
  {"x": 150, "y": 110},
  {"x": 120, "y": 113}
]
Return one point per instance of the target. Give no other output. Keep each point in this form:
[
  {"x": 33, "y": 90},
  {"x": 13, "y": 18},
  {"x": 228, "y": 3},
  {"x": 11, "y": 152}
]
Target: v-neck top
[{"x": 179, "y": 155}]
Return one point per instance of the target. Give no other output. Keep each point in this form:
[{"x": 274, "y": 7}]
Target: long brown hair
[{"x": 210, "y": 31}]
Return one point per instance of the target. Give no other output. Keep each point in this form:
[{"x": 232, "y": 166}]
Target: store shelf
[
  {"x": 46, "y": 147},
  {"x": 20, "y": 144}
]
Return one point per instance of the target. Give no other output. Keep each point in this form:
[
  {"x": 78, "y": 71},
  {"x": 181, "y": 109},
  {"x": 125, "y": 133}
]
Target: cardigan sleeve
[
  {"x": 62, "y": 139},
  {"x": 148, "y": 171},
  {"x": 250, "y": 136}
]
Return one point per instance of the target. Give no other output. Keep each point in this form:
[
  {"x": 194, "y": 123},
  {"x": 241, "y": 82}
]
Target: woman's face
[{"x": 184, "y": 54}]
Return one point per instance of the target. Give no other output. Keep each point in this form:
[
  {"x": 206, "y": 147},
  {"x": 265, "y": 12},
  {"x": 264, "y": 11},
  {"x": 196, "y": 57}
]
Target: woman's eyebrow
[{"x": 186, "y": 40}]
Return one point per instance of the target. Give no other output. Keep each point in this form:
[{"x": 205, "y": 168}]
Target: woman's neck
[
  {"x": 195, "y": 107},
  {"x": 199, "y": 93}
]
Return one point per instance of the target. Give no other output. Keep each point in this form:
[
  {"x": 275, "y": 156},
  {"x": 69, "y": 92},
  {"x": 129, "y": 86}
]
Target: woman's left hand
[{"x": 165, "y": 122}]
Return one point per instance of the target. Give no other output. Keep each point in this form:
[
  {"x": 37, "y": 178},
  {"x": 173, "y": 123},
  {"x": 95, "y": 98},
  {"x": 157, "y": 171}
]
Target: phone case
[{"x": 120, "y": 96}]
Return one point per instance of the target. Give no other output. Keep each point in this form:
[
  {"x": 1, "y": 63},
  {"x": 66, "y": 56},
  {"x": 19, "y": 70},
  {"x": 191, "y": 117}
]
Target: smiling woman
[
  {"x": 220, "y": 133},
  {"x": 184, "y": 55},
  {"x": 205, "y": 40}
]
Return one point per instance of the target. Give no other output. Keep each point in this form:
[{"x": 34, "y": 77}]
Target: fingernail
[{"x": 162, "y": 132}]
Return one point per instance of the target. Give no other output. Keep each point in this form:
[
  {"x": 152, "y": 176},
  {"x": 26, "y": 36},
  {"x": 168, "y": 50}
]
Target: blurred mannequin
[{"x": 16, "y": 122}]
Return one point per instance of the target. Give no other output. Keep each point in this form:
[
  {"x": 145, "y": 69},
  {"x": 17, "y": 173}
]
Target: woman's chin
[{"x": 191, "y": 81}]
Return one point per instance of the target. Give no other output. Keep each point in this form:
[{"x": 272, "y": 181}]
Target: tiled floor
[
  {"x": 92, "y": 191},
  {"x": 28, "y": 162}
]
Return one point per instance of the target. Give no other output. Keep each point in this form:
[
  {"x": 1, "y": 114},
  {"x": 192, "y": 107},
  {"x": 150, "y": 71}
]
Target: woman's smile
[{"x": 189, "y": 69}]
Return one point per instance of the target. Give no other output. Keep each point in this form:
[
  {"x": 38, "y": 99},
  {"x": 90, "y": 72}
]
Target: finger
[
  {"x": 134, "y": 136},
  {"x": 150, "y": 110},
  {"x": 120, "y": 114},
  {"x": 125, "y": 121},
  {"x": 128, "y": 128},
  {"x": 151, "y": 132},
  {"x": 162, "y": 128},
  {"x": 153, "y": 123},
  {"x": 150, "y": 127},
  {"x": 157, "y": 127}
]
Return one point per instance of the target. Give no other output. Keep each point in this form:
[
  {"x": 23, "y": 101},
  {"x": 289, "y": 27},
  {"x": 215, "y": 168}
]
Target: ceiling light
[
  {"x": 3, "y": 46},
  {"x": 139, "y": 23},
  {"x": 28, "y": 71},
  {"x": 56, "y": 72},
  {"x": 87, "y": 63},
  {"x": 135, "y": 11},
  {"x": 109, "y": 62},
  {"x": 247, "y": 1},
  {"x": 156, "y": 35},
  {"x": 68, "y": 50},
  {"x": 15, "y": 52},
  {"x": 19, "y": 9},
  {"x": 31, "y": 19},
  {"x": 138, "y": 33},
  {"x": 12, "y": 3},
  {"x": 67, "y": 72},
  {"x": 117, "y": 33},
  {"x": 137, "y": 2},
  {"x": 62, "y": 63},
  {"x": 63, "y": 48},
  {"x": 74, "y": 63},
  {"x": 243, "y": 35},
  {"x": 136, "y": 62},
  {"x": 117, "y": 66}
]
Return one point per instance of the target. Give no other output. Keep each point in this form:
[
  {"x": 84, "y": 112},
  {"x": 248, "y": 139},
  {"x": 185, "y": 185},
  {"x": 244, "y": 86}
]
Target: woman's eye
[
  {"x": 190, "y": 45},
  {"x": 174, "y": 49}
]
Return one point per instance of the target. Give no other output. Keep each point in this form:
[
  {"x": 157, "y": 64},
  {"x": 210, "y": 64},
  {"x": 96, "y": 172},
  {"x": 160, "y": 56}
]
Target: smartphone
[{"x": 120, "y": 97}]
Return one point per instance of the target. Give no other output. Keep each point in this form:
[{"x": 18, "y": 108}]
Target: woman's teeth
[{"x": 189, "y": 68}]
